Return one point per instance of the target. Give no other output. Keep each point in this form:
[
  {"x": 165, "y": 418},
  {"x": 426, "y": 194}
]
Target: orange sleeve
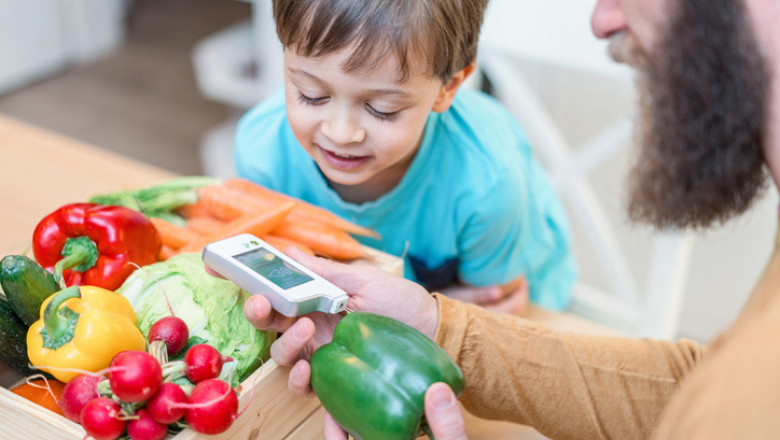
[{"x": 565, "y": 385}]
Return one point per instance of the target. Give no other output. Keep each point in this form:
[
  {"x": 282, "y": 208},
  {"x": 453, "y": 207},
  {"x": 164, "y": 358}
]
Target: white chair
[
  {"x": 241, "y": 64},
  {"x": 555, "y": 34},
  {"x": 238, "y": 66}
]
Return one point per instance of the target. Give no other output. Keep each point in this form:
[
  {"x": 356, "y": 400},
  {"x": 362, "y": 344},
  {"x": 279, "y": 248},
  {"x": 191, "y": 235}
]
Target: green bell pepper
[{"x": 373, "y": 376}]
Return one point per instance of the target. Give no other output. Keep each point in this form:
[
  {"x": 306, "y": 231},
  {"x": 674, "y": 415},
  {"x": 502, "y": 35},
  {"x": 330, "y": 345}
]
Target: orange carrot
[
  {"x": 166, "y": 252},
  {"x": 282, "y": 243},
  {"x": 204, "y": 224},
  {"x": 252, "y": 223},
  {"x": 266, "y": 195},
  {"x": 303, "y": 210},
  {"x": 228, "y": 204},
  {"x": 322, "y": 239},
  {"x": 192, "y": 210},
  {"x": 172, "y": 235}
]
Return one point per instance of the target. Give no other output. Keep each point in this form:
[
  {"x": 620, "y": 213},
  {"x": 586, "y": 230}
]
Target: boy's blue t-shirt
[{"x": 474, "y": 205}]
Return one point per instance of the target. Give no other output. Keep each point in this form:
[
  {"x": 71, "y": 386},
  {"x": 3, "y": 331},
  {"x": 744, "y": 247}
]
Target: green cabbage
[{"x": 211, "y": 307}]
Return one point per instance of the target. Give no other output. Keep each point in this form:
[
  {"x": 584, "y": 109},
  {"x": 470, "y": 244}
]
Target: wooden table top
[{"x": 43, "y": 171}]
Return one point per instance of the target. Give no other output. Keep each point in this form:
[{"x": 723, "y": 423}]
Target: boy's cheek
[
  {"x": 303, "y": 131},
  {"x": 301, "y": 120}
]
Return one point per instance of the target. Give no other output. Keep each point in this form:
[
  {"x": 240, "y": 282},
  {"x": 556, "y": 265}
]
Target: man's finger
[
  {"x": 212, "y": 272},
  {"x": 259, "y": 313},
  {"x": 287, "y": 349},
  {"x": 332, "y": 429},
  {"x": 300, "y": 378},
  {"x": 310, "y": 261},
  {"x": 327, "y": 269},
  {"x": 443, "y": 413}
]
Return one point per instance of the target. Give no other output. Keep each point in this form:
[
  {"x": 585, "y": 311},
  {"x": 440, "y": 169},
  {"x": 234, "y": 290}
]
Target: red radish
[
  {"x": 171, "y": 329},
  {"x": 204, "y": 362},
  {"x": 76, "y": 393},
  {"x": 101, "y": 419},
  {"x": 166, "y": 406},
  {"x": 212, "y": 407},
  {"x": 134, "y": 375},
  {"x": 146, "y": 428}
]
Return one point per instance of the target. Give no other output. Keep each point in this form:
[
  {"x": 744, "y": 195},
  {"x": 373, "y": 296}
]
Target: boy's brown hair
[{"x": 444, "y": 33}]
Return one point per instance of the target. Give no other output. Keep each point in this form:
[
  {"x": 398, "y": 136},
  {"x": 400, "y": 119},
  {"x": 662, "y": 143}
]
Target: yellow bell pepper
[{"x": 81, "y": 329}]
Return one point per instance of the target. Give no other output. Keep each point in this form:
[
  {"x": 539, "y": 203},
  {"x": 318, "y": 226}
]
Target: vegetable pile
[{"x": 118, "y": 314}]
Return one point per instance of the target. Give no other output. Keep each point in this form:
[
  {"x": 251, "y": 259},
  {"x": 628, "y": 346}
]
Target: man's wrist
[{"x": 431, "y": 320}]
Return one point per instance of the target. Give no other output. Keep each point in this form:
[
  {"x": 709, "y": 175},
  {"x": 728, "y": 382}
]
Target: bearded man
[{"x": 709, "y": 132}]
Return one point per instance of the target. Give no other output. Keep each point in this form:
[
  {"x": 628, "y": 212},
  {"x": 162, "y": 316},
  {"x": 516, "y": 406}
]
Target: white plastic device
[{"x": 259, "y": 268}]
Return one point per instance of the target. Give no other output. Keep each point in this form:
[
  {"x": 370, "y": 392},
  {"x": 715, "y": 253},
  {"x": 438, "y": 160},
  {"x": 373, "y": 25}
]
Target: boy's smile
[
  {"x": 343, "y": 162},
  {"x": 362, "y": 128}
]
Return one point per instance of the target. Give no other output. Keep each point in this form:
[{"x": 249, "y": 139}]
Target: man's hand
[{"x": 370, "y": 289}]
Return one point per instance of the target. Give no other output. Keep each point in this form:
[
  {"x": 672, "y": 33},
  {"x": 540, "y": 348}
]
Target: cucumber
[
  {"x": 26, "y": 284},
  {"x": 13, "y": 339}
]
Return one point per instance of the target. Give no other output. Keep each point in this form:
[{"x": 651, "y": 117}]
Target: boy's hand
[
  {"x": 370, "y": 290},
  {"x": 509, "y": 298}
]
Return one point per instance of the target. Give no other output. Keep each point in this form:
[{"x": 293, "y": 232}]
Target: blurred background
[{"x": 164, "y": 81}]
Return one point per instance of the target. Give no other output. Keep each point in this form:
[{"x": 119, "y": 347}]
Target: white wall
[
  {"x": 725, "y": 266},
  {"x": 41, "y": 37}
]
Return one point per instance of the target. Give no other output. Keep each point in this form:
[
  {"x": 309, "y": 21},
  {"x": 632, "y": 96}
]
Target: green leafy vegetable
[
  {"x": 159, "y": 200},
  {"x": 211, "y": 307}
]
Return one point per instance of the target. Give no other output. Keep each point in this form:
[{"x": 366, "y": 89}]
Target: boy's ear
[{"x": 447, "y": 92}]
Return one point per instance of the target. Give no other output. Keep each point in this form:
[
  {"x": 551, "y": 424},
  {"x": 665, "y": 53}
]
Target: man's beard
[{"x": 702, "y": 117}]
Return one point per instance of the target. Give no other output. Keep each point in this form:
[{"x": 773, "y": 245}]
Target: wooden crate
[{"x": 273, "y": 412}]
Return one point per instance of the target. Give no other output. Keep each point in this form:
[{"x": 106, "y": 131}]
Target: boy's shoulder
[
  {"x": 479, "y": 131},
  {"x": 479, "y": 149},
  {"x": 477, "y": 105},
  {"x": 475, "y": 117}
]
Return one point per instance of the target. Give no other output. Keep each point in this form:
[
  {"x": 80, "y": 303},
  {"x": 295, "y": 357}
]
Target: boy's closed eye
[
  {"x": 384, "y": 116},
  {"x": 311, "y": 101}
]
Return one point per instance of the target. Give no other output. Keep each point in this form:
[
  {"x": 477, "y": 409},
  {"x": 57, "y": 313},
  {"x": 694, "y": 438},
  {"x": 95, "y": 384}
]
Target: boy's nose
[
  {"x": 341, "y": 130},
  {"x": 607, "y": 18}
]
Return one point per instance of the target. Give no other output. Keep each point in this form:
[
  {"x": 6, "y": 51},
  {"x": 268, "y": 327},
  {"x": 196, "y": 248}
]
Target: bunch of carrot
[{"x": 237, "y": 206}]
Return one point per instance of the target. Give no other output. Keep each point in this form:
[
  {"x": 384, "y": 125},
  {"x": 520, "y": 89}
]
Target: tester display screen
[{"x": 273, "y": 268}]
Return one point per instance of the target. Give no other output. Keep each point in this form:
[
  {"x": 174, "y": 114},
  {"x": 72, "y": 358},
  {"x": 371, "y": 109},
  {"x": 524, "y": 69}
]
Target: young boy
[{"x": 369, "y": 126}]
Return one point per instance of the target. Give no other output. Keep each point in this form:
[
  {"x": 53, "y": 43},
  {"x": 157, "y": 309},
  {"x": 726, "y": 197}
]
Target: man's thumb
[{"x": 443, "y": 413}]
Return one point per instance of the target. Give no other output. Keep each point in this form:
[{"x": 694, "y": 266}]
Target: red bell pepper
[{"x": 97, "y": 245}]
